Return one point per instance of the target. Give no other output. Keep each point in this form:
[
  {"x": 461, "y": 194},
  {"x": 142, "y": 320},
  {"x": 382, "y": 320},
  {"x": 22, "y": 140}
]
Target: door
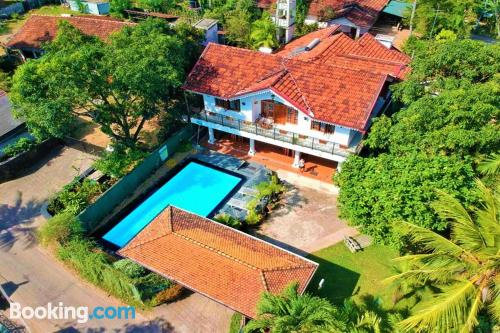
[{"x": 280, "y": 112}]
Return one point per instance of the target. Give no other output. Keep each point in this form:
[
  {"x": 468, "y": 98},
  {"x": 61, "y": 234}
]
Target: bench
[{"x": 352, "y": 244}]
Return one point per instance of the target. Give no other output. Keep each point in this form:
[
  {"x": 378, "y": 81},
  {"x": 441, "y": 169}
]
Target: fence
[{"x": 95, "y": 213}]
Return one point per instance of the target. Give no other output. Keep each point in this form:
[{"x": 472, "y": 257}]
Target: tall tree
[
  {"x": 119, "y": 84},
  {"x": 264, "y": 32},
  {"x": 449, "y": 120},
  {"x": 292, "y": 312},
  {"x": 464, "y": 268}
]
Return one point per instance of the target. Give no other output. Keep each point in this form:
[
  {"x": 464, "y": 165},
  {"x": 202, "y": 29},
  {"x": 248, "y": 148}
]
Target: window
[
  {"x": 292, "y": 116},
  {"x": 319, "y": 126},
  {"x": 229, "y": 105}
]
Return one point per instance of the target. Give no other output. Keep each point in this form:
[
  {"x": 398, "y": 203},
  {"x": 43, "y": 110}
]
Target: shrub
[
  {"x": 168, "y": 295},
  {"x": 93, "y": 265},
  {"x": 129, "y": 268},
  {"x": 229, "y": 220},
  {"x": 234, "y": 326},
  {"x": 60, "y": 229},
  {"x": 119, "y": 162},
  {"x": 75, "y": 196},
  {"x": 20, "y": 146},
  {"x": 253, "y": 217}
]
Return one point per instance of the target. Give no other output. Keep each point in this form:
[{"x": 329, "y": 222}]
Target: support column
[
  {"x": 358, "y": 32},
  {"x": 296, "y": 159},
  {"x": 339, "y": 167},
  {"x": 211, "y": 136},
  {"x": 251, "y": 151}
]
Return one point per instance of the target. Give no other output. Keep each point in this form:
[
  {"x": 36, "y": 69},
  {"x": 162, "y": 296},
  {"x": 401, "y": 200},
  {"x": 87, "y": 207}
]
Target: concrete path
[
  {"x": 308, "y": 221},
  {"x": 33, "y": 277}
]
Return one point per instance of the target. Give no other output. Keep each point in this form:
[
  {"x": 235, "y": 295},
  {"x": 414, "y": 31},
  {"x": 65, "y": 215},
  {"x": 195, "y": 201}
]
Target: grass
[
  {"x": 53, "y": 10},
  {"x": 349, "y": 274}
]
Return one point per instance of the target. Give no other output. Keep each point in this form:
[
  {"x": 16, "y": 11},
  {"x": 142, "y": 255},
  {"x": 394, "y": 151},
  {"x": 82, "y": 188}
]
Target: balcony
[{"x": 291, "y": 140}]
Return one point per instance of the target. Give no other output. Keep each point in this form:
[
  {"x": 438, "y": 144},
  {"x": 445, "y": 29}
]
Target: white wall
[{"x": 251, "y": 107}]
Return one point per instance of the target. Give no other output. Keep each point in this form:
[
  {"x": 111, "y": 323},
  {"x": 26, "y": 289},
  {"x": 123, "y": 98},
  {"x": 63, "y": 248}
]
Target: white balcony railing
[{"x": 276, "y": 134}]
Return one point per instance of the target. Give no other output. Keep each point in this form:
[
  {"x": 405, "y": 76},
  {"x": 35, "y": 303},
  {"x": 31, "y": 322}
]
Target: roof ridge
[
  {"x": 298, "y": 88},
  {"x": 264, "y": 280},
  {"x": 85, "y": 17},
  {"x": 212, "y": 249},
  {"x": 284, "y": 268}
]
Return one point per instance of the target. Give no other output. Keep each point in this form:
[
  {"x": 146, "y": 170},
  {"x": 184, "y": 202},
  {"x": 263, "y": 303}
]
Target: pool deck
[{"x": 252, "y": 174}]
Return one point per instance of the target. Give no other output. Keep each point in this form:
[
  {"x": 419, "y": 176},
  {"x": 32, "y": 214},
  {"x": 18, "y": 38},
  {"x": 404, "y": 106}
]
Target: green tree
[
  {"x": 451, "y": 100},
  {"x": 264, "y": 32},
  {"x": 118, "y": 7},
  {"x": 465, "y": 268},
  {"x": 292, "y": 312},
  {"x": 119, "y": 84},
  {"x": 459, "y": 16}
]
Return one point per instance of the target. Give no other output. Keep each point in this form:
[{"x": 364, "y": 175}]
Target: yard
[{"x": 357, "y": 274}]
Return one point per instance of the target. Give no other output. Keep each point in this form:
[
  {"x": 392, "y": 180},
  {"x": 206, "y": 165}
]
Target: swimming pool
[{"x": 196, "y": 188}]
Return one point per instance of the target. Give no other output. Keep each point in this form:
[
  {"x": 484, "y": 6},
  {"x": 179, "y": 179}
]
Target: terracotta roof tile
[
  {"x": 40, "y": 28},
  {"x": 338, "y": 81},
  {"x": 219, "y": 262}
]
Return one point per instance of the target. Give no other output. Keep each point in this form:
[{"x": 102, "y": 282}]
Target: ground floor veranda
[{"x": 273, "y": 157}]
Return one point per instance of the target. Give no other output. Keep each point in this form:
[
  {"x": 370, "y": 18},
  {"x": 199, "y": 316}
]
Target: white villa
[{"x": 315, "y": 96}]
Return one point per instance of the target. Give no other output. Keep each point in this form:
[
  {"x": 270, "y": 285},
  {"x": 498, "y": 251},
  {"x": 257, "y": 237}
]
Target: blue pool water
[{"x": 196, "y": 188}]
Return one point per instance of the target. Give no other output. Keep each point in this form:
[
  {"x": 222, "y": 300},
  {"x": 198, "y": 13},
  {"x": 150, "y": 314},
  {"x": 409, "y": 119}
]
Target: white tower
[{"x": 285, "y": 20}]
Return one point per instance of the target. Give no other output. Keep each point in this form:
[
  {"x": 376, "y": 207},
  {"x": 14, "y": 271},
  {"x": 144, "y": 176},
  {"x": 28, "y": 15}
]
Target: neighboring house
[
  {"x": 96, "y": 7},
  {"x": 317, "y": 95},
  {"x": 39, "y": 29},
  {"x": 217, "y": 261},
  {"x": 11, "y": 129},
  {"x": 355, "y": 17},
  {"x": 209, "y": 27}
]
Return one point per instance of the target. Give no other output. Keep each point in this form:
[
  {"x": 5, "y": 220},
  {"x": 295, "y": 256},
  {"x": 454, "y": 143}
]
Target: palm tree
[
  {"x": 465, "y": 268},
  {"x": 490, "y": 166},
  {"x": 263, "y": 32},
  {"x": 290, "y": 312}
]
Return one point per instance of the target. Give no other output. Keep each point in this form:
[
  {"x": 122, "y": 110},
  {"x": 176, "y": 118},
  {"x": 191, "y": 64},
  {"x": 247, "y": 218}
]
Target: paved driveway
[
  {"x": 32, "y": 277},
  {"x": 307, "y": 221}
]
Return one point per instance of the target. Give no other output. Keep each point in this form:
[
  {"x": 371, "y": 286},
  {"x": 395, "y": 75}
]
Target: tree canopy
[
  {"x": 119, "y": 84},
  {"x": 460, "y": 16},
  {"x": 449, "y": 120},
  {"x": 464, "y": 269}
]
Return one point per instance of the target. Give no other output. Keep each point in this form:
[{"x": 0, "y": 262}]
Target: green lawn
[{"x": 353, "y": 274}]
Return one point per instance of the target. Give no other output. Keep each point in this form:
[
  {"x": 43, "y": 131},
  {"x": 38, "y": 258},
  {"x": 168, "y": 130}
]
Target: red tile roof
[
  {"x": 40, "y": 28},
  {"x": 338, "y": 81},
  {"x": 219, "y": 262}
]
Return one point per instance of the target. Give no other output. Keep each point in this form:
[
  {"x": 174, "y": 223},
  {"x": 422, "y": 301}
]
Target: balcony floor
[{"x": 272, "y": 157}]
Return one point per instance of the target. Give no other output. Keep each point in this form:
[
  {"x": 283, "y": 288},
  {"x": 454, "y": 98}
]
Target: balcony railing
[{"x": 275, "y": 133}]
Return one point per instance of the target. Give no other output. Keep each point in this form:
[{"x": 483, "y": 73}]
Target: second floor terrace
[{"x": 261, "y": 130}]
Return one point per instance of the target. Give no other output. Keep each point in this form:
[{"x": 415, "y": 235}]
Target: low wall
[
  {"x": 18, "y": 165},
  {"x": 95, "y": 213}
]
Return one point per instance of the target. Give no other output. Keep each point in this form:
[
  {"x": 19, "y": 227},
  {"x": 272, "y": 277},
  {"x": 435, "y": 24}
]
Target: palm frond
[
  {"x": 436, "y": 243},
  {"x": 471, "y": 320},
  {"x": 490, "y": 165},
  {"x": 444, "y": 313}
]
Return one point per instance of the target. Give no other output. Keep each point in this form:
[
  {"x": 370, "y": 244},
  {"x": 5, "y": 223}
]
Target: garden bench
[{"x": 351, "y": 244}]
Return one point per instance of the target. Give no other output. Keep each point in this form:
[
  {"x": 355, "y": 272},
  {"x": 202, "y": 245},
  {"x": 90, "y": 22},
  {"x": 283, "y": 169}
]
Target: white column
[
  {"x": 251, "y": 151},
  {"x": 358, "y": 32},
  {"x": 296, "y": 159},
  {"x": 211, "y": 136},
  {"x": 339, "y": 166}
]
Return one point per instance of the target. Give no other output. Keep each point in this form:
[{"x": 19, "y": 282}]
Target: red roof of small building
[
  {"x": 224, "y": 264},
  {"x": 338, "y": 81},
  {"x": 41, "y": 28}
]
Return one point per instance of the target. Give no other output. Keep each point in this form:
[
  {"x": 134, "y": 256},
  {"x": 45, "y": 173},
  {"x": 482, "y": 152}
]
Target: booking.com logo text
[{"x": 81, "y": 314}]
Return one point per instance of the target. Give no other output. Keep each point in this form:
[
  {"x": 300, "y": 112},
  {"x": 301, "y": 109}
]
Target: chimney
[{"x": 385, "y": 40}]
